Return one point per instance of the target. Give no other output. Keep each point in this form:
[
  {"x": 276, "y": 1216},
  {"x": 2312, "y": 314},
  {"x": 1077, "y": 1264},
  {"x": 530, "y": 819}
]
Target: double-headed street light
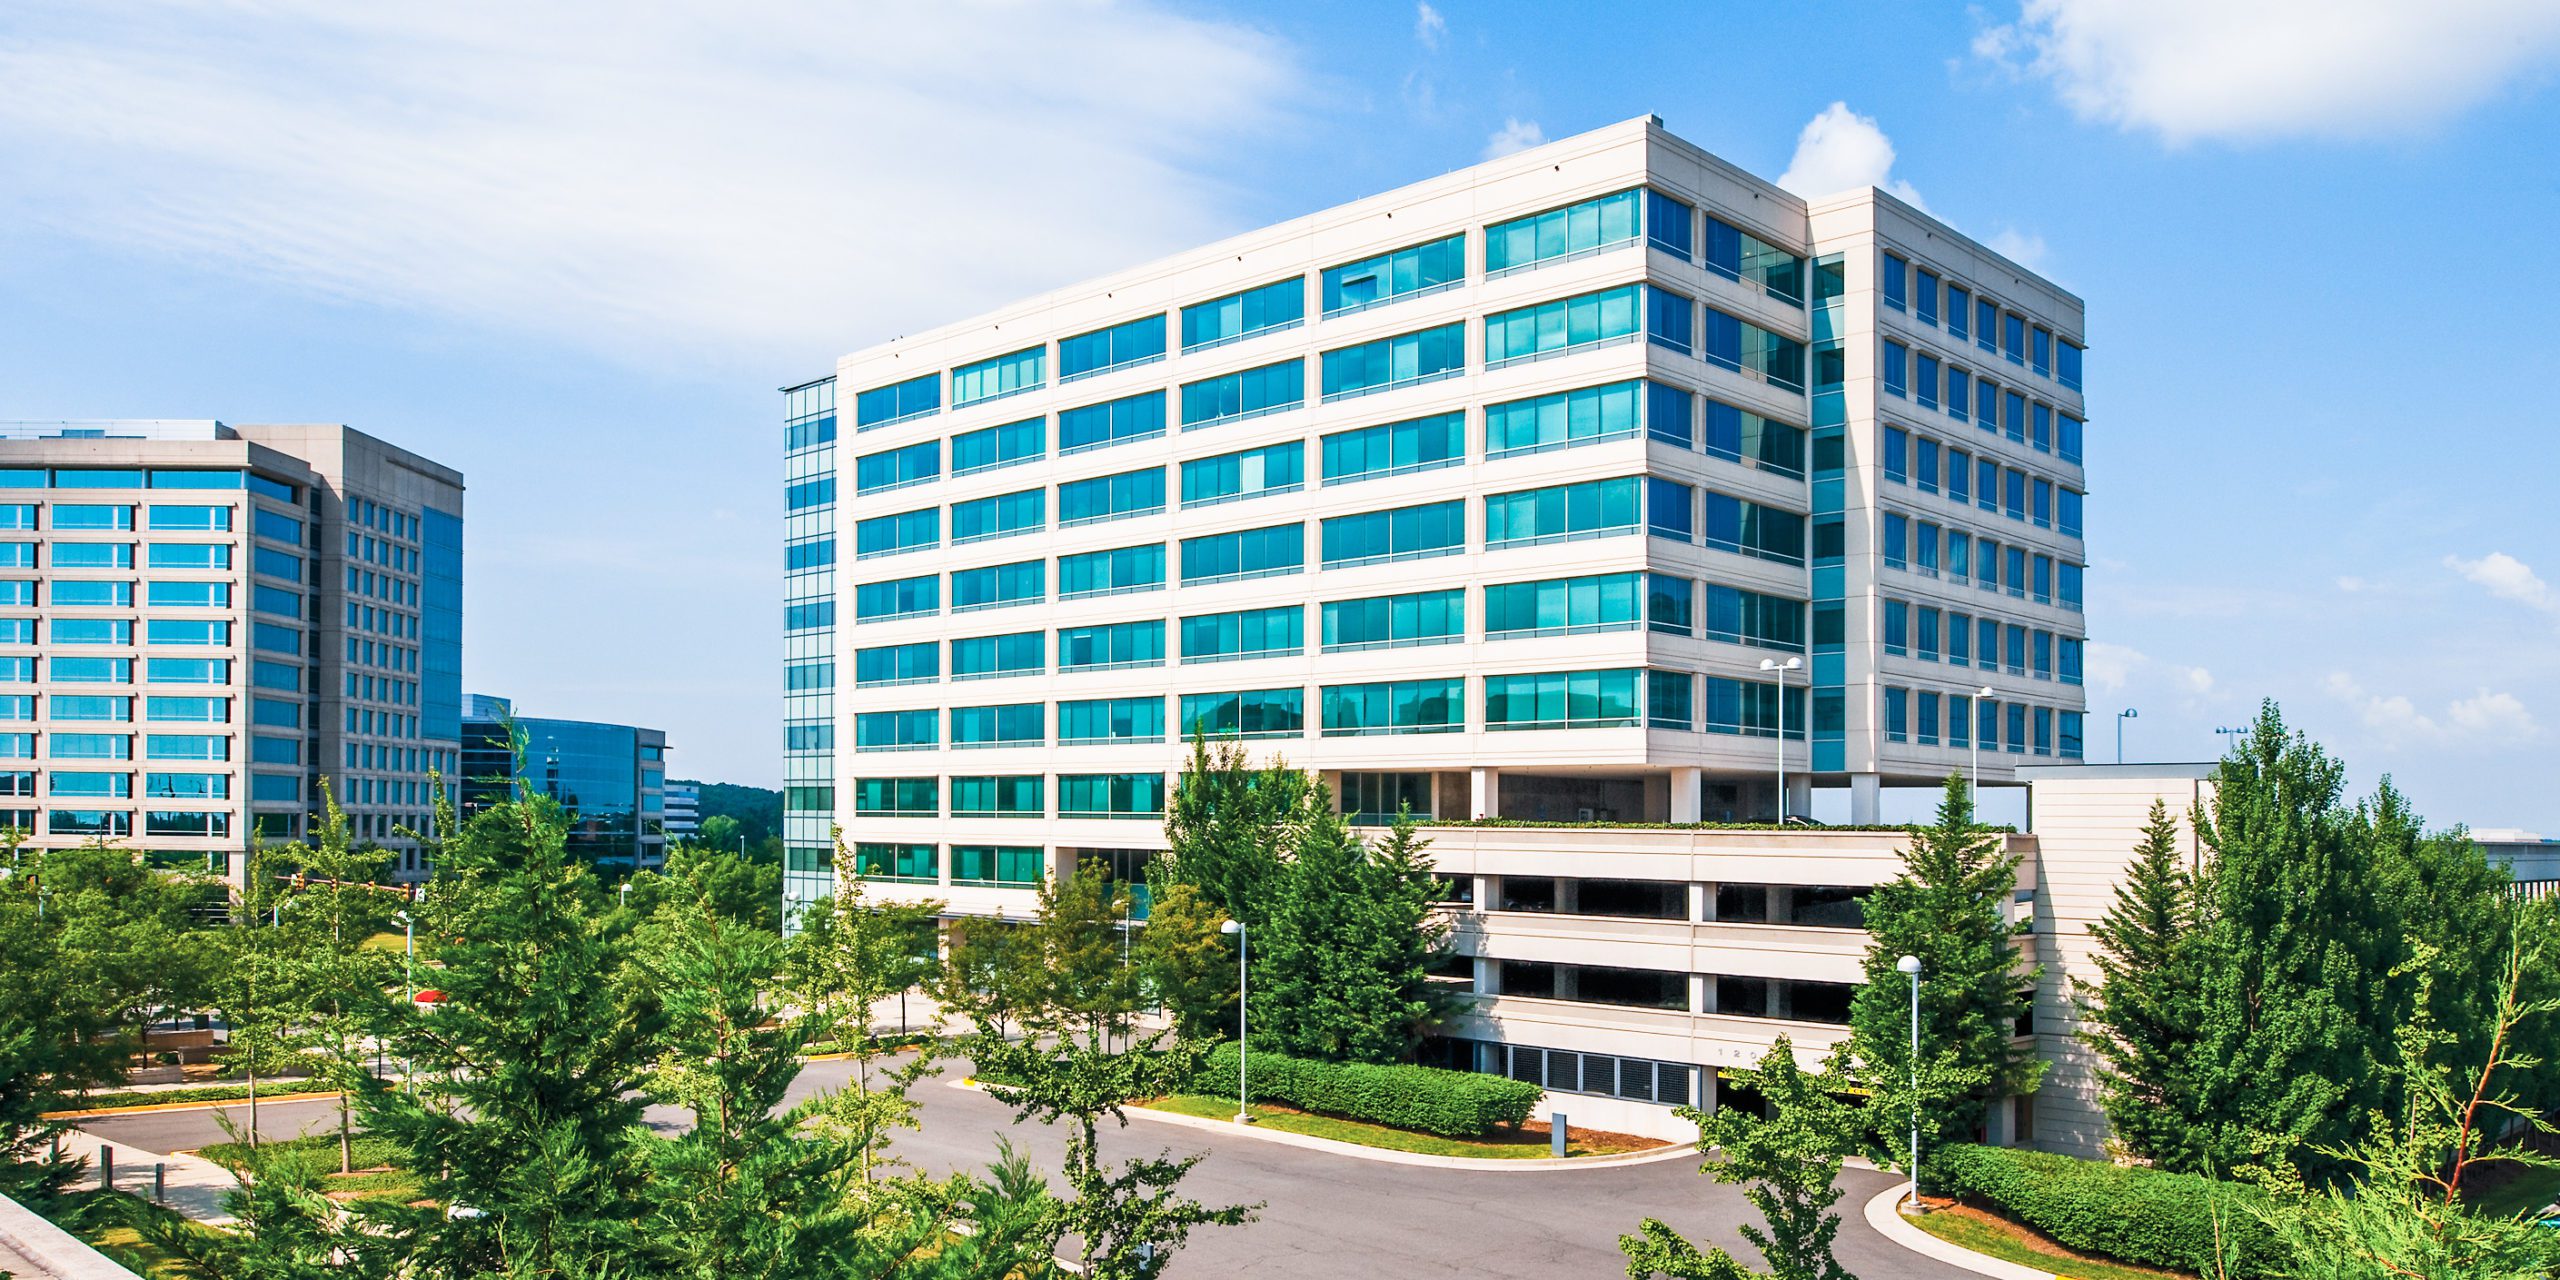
[
  {"x": 1782, "y": 668},
  {"x": 1236, "y": 927}
]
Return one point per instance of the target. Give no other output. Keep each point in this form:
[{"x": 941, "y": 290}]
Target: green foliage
[
  {"x": 1453, "y": 1104},
  {"x": 741, "y": 889},
  {"x": 1187, "y": 964},
  {"x": 1230, "y": 826},
  {"x": 2144, "y": 1014},
  {"x": 1082, "y": 960},
  {"x": 287, "y": 1228},
  {"x": 1790, "y": 1162},
  {"x": 2131, "y": 1214},
  {"x": 754, "y": 812},
  {"x": 56, "y": 1031},
  {"x": 850, "y": 955},
  {"x": 1341, "y": 963},
  {"x": 1945, "y": 908},
  {"x": 141, "y": 950}
]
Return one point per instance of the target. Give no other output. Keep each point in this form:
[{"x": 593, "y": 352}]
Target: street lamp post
[
  {"x": 1782, "y": 668},
  {"x": 2229, "y": 737},
  {"x": 1236, "y": 927},
  {"x": 1976, "y": 738},
  {"x": 2127, "y": 714},
  {"x": 1910, "y": 967}
]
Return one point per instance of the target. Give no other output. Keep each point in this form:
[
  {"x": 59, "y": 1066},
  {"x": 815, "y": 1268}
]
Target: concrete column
[
  {"x": 1866, "y": 799},
  {"x": 1995, "y": 1122},
  {"x": 1800, "y": 793},
  {"x": 1486, "y": 972},
  {"x": 1697, "y": 993},
  {"x": 1484, "y": 893},
  {"x": 1702, "y": 903},
  {"x": 1484, "y": 793},
  {"x": 1684, "y": 794}
]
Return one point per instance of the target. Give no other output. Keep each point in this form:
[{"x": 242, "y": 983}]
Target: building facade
[
  {"x": 200, "y": 622},
  {"x": 1601, "y": 483},
  {"x": 684, "y": 811},
  {"x": 611, "y": 778}
]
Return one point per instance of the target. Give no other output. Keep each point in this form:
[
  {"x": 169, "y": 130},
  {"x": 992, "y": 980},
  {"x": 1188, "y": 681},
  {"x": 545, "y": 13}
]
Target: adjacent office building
[
  {"x": 199, "y": 622},
  {"x": 1600, "y": 483},
  {"x": 611, "y": 778},
  {"x": 684, "y": 811}
]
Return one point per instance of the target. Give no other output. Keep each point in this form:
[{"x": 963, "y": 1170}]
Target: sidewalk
[{"x": 196, "y": 1186}]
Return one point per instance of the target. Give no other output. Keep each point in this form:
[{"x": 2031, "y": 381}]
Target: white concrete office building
[
  {"x": 198, "y": 622},
  {"x": 1593, "y": 484}
]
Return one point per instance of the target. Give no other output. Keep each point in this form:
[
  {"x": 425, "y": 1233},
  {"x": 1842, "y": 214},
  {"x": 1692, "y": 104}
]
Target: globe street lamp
[
  {"x": 2127, "y": 714},
  {"x": 1782, "y": 668},
  {"x": 1243, "y": 946},
  {"x": 1910, "y": 967}
]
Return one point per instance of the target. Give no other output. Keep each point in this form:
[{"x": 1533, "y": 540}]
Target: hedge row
[
  {"x": 2133, "y": 1215},
  {"x": 195, "y": 1093},
  {"x": 1452, "y": 1104}
]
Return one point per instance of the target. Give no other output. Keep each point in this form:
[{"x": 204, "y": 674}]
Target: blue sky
[{"x": 573, "y": 248}]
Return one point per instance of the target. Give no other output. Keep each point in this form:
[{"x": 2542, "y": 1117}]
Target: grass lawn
[
  {"x": 2528, "y": 1190},
  {"x": 104, "y": 1226},
  {"x": 1983, "y": 1233},
  {"x": 1530, "y": 1143},
  {"x": 379, "y": 1164}
]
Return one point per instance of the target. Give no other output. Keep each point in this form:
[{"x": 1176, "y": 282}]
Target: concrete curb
[
  {"x": 1887, "y": 1220},
  {"x": 149, "y": 1108},
  {"x": 1471, "y": 1164},
  {"x": 60, "y": 1253}
]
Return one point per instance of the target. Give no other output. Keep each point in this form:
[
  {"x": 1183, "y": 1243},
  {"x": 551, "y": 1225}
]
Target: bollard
[
  {"x": 1556, "y": 1132},
  {"x": 106, "y": 1168},
  {"x": 160, "y": 1183}
]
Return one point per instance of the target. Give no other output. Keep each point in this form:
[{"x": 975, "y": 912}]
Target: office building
[
  {"x": 199, "y": 622},
  {"x": 611, "y": 778},
  {"x": 684, "y": 811},
  {"x": 1600, "y": 483}
]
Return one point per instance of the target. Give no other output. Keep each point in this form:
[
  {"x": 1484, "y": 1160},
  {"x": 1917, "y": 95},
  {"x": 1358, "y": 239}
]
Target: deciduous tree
[{"x": 1788, "y": 1161}]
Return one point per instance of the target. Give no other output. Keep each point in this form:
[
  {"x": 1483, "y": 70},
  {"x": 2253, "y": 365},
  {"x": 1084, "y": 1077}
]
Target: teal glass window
[
  {"x": 1666, "y": 699},
  {"x": 1400, "y": 533},
  {"x": 897, "y": 598},
  {"x": 1670, "y": 604},
  {"x": 1003, "y": 516},
  {"x": 1004, "y": 375},
  {"x": 1113, "y": 497},
  {"x": 1099, "y": 426},
  {"x": 188, "y": 671},
  {"x": 1736, "y": 616},
  {"x": 1246, "y": 553},
  {"x": 910, "y": 863},
  {"x": 898, "y": 402},
  {"x": 1561, "y": 513},
  {"x": 1248, "y": 714},
  {"x": 1246, "y": 393},
  {"x": 1394, "y": 707},
  {"x": 1111, "y": 646},
  {"x": 1563, "y": 419},
  {"x": 89, "y": 517},
  {"x": 1114, "y": 572},
  {"x": 897, "y": 534},
  {"x": 1122, "y": 346},
  {"x": 1110, "y": 795},
  {"x": 1102, "y": 720},
  {"x": 988, "y": 448},
  {"x": 998, "y": 585},
  {"x": 1562, "y": 700},
  {"x": 1247, "y": 633},
  {"x": 1739, "y": 435},
  {"x": 1564, "y": 606},
  {"x": 1563, "y": 326},
  {"x": 988, "y": 657},
  {"x": 67, "y": 670},
  {"x": 897, "y": 797},
  {"x": 1279, "y": 305},
  {"x": 1001, "y": 865},
  {"x": 97, "y": 630},
  {"x": 90, "y": 746},
  {"x": 1405, "y": 360},
  {"x": 1395, "y": 448},
  {"x": 282, "y": 603},
  {"x": 1395, "y": 622},
  {"x": 90, "y": 707},
  {"x": 897, "y": 468},
  {"x": 118, "y": 595},
  {"x": 1737, "y": 525},
  {"x": 21, "y": 595},
  {"x": 195, "y": 480},
  {"x": 814, "y": 553},
  {"x": 1730, "y": 342},
  {"x": 1410, "y": 272},
  {"x": 1750, "y": 708},
  {"x": 21, "y": 516},
  {"x": 918, "y": 663},
  {"x": 200, "y": 710},
  {"x": 96, "y": 478},
  {"x": 1000, "y": 796},
  {"x": 1252, "y": 473},
  {"x": 72, "y": 782},
  {"x": 93, "y": 555},
  {"x": 1013, "y": 724},
  {"x": 1562, "y": 235}
]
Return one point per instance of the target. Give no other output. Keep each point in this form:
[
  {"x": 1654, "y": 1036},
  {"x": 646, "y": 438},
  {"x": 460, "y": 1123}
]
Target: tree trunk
[{"x": 253, "y": 1109}]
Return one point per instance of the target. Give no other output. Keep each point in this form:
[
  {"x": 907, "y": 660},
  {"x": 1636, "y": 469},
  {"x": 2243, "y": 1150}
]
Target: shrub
[
  {"x": 2133, "y": 1215},
  {"x": 1452, "y": 1104}
]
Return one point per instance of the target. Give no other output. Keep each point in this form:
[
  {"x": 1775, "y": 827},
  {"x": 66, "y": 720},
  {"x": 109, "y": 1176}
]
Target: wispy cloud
[
  {"x": 1428, "y": 26},
  {"x": 2115, "y": 668},
  {"x": 2208, "y": 69},
  {"x": 2508, "y": 578},
  {"x": 1514, "y": 135},
  {"x": 631, "y": 175},
  {"x": 1840, "y": 150},
  {"x": 2485, "y": 719},
  {"x": 2020, "y": 247}
]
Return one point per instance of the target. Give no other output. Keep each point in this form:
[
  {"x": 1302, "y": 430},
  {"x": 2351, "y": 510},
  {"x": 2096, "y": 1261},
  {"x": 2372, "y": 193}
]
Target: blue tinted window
[
  {"x": 1740, "y": 435},
  {"x": 897, "y": 664},
  {"x": 1566, "y": 324},
  {"x": 1001, "y": 516},
  {"x": 1129, "y": 343},
  {"x": 1405, "y": 273},
  {"x": 1247, "y": 393},
  {"x": 1395, "y": 448},
  {"x": 1750, "y": 708},
  {"x": 1733, "y": 524},
  {"x": 1237, "y": 316},
  {"x": 1119, "y": 644},
  {"x": 1593, "y": 508},
  {"x": 1093, "y": 426},
  {"x": 1404, "y": 360},
  {"x": 1669, "y": 320},
  {"x": 1111, "y": 720},
  {"x": 1246, "y": 553},
  {"x": 807, "y": 494},
  {"x": 1121, "y": 569},
  {"x": 1278, "y": 468},
  {"x": 897, "y": 402},
  {"x": 1670, "y": 509},
  {"x": 913, "y": 464},
  {"x": 1564, "y": 606},
  {"x": 1250, "y": 633},
  {"x": 999, "y": 584},
  {"x": 1737, "y": 616},
  {"x": 1022, "y": 652},
  {"x": 1379, "y": 622},
  {"x": 1248, "y": 713},
  {"x": 893, "y": 534},
  {"x": 1670, "y": 414},
  {"x": 1562, "y": 700},
  {"x": 1591, "y": 226},
  {"x": 2066, "y": 363},
  {"x": 1669, "y": 225},
  {"x": 1004, "y": 375},
  {"x": 1398, "y": 706},
  {"x": 1896, "y": 371},
  {"x": 1114, "y": 497},
  {"x": 1737, "y": 254},
  {"x": 1895, "y": 280},
  {"x": 1564, "y": 418},
  {"x": 1737, "y": 344},
  {"x": 897, "y": 598},
  {"x": 991, "y": 447},
  {"x": 1402, "y": 533}
]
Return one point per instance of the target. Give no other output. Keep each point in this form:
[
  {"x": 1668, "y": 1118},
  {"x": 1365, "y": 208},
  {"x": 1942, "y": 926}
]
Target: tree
[
  {"x": 990, "y": 973},
  {"x": 523, "y": 1110},
  {"x": 1230, "y": 826},
  {"x": 850, "y": 955},
  {"x": 744, "y": 890},
  {"x": 254, "y": 987},
  {"x": 1188, "y": 964},
  {"x": 1945, "y": 908},
  {"x": 57, "y": 1023},
  {"x": 335, "y": 981},
  {"x": 1340, "y": 966},
  {"x": 1088, "y": 981},
  {"x": 2143, "y": 1013},
  {"x": 1789, "y": 1160},
  {"x": 135, "y": 929},
  {"x": 284, "y": 1227}
]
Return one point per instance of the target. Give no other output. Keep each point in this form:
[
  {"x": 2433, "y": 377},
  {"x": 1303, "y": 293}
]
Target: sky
[{"x": 574, "y": 248}]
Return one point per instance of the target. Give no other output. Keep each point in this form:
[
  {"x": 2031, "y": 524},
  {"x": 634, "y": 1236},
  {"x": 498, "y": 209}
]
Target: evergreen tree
[
  {"x": 1188, "y": 964},
  {"x": 1340, "y": 967},
  {"x": 849, "y": 956},
  {"x": 2143, "y": 1014},
  {"x": 1230, "y": 827},
  {"x": 57, "y": 1024},
  {"x": 1790, "y": 1161},
  {"x": 1945, "y": 908},
  {"x": 335, "y": 980}
]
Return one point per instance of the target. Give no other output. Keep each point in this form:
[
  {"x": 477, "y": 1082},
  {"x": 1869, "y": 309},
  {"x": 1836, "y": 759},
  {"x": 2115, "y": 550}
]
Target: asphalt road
[{"x": 1323, "y": 1215}]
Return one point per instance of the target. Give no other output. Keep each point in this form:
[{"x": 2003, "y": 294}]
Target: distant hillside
[{"x": 758, "y": 811}]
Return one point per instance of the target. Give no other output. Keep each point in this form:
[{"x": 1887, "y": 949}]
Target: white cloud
[
  {"x": 634, "y": 176},
  {"x": 2508, "y": 578},
  {"x": 1428, "y": 26},
  {"x": 2111, "y": 668},
  {"x": 2352, "y": 585},
  {"x": 1841, "y": 150},
  {"x": 1514, "y": 135},
  {"x": 2211, "y": 69},
  {"x": 2019, "y": 247},
  {"x": 2497, "y": 717},
  {"x": 2486, "y": 719}
]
